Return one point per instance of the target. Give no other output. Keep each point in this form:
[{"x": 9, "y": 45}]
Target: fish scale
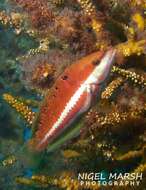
[{"x": 68, "y": 108}]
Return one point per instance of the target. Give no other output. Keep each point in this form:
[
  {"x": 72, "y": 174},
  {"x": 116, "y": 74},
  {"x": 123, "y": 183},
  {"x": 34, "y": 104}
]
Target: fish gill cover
[{"x": 39, "y": 40}]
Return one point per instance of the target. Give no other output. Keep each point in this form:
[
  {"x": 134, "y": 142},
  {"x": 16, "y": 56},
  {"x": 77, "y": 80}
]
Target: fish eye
[
  {"x": 65, "y": 77},
  {"x": 96, "y": 62}
]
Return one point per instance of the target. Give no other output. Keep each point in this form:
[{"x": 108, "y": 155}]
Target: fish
[{"x": 72, "y": 94}]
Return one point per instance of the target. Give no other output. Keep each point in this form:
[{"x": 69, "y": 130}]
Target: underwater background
[{"x": 38, "y": 40}]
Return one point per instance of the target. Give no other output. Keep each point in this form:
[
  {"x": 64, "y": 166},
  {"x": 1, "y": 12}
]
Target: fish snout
[{"x": 101, "y": 72}]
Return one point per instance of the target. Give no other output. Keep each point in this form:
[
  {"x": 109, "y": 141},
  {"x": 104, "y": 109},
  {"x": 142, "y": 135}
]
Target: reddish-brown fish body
[{"x": 65, "y": 100}]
